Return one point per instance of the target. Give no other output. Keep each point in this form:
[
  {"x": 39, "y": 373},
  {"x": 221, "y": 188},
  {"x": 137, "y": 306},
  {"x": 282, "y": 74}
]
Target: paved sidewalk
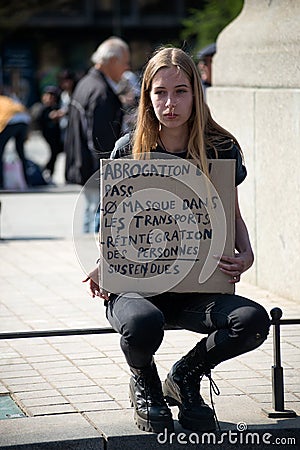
[
  {"x": 75, "y": 388},
  {"x": 72, "y": 391}
]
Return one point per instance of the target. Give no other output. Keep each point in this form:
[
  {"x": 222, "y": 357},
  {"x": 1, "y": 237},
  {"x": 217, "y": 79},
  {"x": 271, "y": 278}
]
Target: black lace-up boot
[
  {"x": 182, "y": 388},
  {"x": 151, "y": 412}
]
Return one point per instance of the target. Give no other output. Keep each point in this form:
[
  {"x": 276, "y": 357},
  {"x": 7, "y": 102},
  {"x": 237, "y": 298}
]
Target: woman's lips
[{"x": 170, "y": 115}]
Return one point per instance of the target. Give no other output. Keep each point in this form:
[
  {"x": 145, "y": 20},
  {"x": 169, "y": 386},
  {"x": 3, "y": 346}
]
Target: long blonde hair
[{"x": 204, "y": 133}]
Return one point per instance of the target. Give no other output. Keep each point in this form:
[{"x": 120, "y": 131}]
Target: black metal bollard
[{"x": 277, "y": 371}]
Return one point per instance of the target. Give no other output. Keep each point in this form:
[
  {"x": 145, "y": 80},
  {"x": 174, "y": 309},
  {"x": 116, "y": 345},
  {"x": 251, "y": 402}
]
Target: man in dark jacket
[{"x": 95, "y": 121}]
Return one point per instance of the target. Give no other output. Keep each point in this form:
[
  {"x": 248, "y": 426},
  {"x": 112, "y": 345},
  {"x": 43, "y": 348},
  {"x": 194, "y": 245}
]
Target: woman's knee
[
  {"x": 144, "y": 329},
  {"x": 252, "y": 324}
]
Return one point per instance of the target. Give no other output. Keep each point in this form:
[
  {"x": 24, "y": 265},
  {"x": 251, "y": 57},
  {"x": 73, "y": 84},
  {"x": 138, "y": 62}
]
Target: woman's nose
[{"x": 170, "y": 102}]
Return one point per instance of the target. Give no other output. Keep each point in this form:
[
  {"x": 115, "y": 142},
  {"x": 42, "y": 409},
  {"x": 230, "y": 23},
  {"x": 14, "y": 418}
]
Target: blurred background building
[{"x": 38, "y": 39}]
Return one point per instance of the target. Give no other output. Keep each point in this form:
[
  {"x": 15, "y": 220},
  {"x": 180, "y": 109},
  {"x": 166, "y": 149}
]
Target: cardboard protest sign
[{"x": 163, "y": 222}]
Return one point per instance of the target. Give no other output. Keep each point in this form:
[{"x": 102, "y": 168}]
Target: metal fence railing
[{"x": 277, "y": 369}]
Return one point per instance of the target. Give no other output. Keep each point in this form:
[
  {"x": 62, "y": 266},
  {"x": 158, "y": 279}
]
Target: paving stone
[
  {"x": 84, "y": 381},
  {"x": 15, "y": 381},
  {"x": 43, "y": 401},
  {"x": 9, "y": 353},
  {"x": 14, "y": 374},
  {"x": 264, "y": 373},
  {"x": 14, "y": 363},
  {"x": 14, "y": 324},
  {"x": 119, "y": 392},
  {"x": 93, "y": 361},
  {"x": 3, "y": 389},
  {"x": 237, "y": 366},
  {"x": 70, "y": 347},
  {"x": 120, "y": 431},
  {"x": 105, "y": 371},
  {"x": 59, "y": 370},
  {"x": 293, "y": 390},
  {"x": 94, "y": 354},
  {"x": 123, "y": 378},
  {"x": 244, "y": 382},
  {"x": 257, "y": 389},
  {"x": 34, "y": 432},
  {"x": 290, "y": 397},
  {"x": 244, "y": 409},
  {"x": 16, "y": 388},
  {"x": 125, "y": 403},
  {"x": 74, "y": 376},
  {"x": 49, "y": 410},
  {"x": 55, "y": 357},
  {"x": 97, "y": 406},
  {"x": 293, "y": 406},
  {"x": 93, "y": 389},
  {"x": 229, "y": 390},
  {"x": 293, "y": 365},
  {"x": 35, "y": 350},
  {"x": 38, "y": 394},
  {"x": 50, "y": 365},
  {"x": 262, "y": 397},
  {"x": 83, "y": 398},
  {"x": 231, "y": 375}
]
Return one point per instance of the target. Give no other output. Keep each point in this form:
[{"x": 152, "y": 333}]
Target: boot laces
[
  {"x": 140, "y": 380},
  {"x": 152, "y": 390},
  {"x": 191, "y": 385},
  {"x": 191, "y": 382},
  {"x": 213, "y": 389}
]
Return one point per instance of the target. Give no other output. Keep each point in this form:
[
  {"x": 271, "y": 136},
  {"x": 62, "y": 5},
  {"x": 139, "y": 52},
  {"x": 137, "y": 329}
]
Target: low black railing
[{"x": 277, "y": 369}]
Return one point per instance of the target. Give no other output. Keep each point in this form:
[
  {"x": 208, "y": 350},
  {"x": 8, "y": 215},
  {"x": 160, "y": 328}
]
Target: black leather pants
[{"x": 233, "y": 325}]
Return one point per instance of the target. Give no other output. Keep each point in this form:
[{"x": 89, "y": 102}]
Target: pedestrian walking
[
  {"x": 95, "y": 121},
  {"x": 14, "y": 123},
  {"x": 66, "y": 83},
  {"x": 49, "y": 124}
]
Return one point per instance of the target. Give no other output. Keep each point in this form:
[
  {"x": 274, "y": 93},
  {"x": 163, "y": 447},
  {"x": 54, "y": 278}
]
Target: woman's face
[{"x": 172, "y": 97}]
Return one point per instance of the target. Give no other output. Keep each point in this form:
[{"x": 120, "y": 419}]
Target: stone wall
[{"x": 256, "y": 95}]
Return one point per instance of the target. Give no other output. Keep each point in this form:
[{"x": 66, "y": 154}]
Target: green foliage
[{"x": 203, "y": 26}]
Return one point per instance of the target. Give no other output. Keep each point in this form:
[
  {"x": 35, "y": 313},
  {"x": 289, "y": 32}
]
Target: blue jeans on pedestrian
[{"x": 91, "y": 220}]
